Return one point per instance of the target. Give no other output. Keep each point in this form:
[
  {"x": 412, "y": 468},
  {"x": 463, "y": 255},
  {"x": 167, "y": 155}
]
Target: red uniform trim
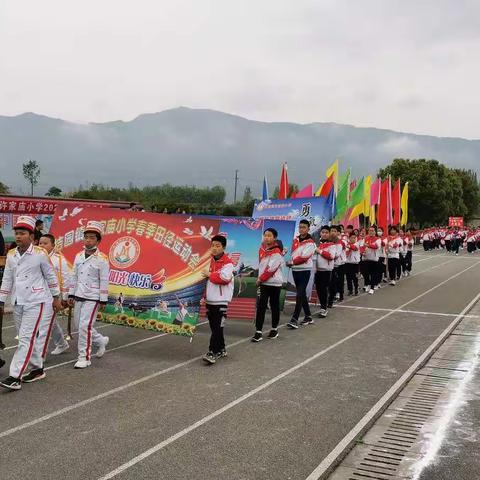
[
  {"x": 32, "y": 341},
  {"x": 47, "y": 339}
]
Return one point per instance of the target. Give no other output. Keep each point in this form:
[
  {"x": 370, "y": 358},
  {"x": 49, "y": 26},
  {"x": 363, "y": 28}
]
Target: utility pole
[{"x": 236, "y": 183}]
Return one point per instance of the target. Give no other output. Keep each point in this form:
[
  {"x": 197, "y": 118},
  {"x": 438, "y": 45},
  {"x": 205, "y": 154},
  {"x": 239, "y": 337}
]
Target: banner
[
  {"x": 8, "y": 220},
  {"x": 317, "y": 210},
  {"x": 156, "y": 262},
  {"x": 455, "y": 221}
]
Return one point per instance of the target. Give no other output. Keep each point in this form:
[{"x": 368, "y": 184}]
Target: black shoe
[
  {"x": 356, "y": 293},
  {"x": 350, "y": 293},
  {"x": 11, "y": 383},
  {"x": 2, "y": 363},
  {"x": 210, "y": 358},
  {"x": 34, "y": 375},
  {"x": 273, "y": 333},
  {"x": 307, "y": 321},
  {"x": 258, "y": 337},
  {"x": 292, "y": 324},
  {"x": 330, "y": 305}
]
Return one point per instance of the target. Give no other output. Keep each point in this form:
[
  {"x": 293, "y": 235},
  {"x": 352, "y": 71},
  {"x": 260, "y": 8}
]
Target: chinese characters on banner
[{"x": 155, "y": 264}]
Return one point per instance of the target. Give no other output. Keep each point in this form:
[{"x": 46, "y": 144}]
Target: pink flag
[
  {"x": 375, "y": 192},
  {"x": 305, "y": 192}
]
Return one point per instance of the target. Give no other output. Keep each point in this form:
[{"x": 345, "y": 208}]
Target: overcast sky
[{"x": 408, "y": 65}]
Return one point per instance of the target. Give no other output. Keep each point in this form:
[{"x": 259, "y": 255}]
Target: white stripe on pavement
[
  {"x": 228, "y": 406},
  {"x": 347, "y": 441}
]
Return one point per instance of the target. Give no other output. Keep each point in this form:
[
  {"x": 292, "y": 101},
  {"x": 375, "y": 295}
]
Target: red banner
[
  {"x": 455, "y": 221},
  {"x": 155, "y": 264}
]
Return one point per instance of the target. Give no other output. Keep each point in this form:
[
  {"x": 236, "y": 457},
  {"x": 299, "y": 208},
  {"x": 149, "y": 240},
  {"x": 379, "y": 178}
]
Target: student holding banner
[
  {"x": 218, "y": 295},
  {"x": 303, "y": 249},
  {"x": 270, "y": 281}
]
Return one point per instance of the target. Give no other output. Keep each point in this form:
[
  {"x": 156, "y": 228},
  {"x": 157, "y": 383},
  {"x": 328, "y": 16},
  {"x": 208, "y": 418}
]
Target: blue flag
[{"x": 265, "y": 189}]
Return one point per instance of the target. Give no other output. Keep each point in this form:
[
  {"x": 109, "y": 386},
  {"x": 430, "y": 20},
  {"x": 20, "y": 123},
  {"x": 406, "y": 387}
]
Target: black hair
[
  {"x": 350, "y": 226},
  {"x": 325, "y": 227},
  {"x": 393, "y": 227},
  {"x": 305, "y": 222},
  {"x": 272, "y": 231},
  {"x": 356, "y": 232},
  {"x": 221, "y": 239},
  {"x": 335, "y": 227},
  {"x": 38, "y": 223},
  {"x": 50, "y": 237}
]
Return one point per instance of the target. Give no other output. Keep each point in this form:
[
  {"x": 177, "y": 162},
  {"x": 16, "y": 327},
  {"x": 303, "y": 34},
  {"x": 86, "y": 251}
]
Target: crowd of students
[
  {"x": 40, "y": 284},
  {"x": 451, "y": 239}
]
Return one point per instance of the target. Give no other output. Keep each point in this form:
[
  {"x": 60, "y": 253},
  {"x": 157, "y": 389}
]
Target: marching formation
[{"x": 40, "y": 283}]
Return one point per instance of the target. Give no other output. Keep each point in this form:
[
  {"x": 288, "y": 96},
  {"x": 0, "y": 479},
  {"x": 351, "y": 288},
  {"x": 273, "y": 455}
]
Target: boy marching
[
  {"x": 88, "y": 293},
  {"x": 31, "y": 281}
]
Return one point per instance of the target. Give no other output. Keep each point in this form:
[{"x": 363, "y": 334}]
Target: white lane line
[
  {"x": 364, "y": 294},
  {"x": 331, "y": 459},
  {"x": 109, "y": 393},
  {"x": 120, "y": 347},
  {"x": 228, "y": 406},
  {"x": 414, "y": 312}
]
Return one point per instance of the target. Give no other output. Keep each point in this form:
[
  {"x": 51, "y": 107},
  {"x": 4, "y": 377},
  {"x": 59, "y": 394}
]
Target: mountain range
[{"x": 204, "y": 148}]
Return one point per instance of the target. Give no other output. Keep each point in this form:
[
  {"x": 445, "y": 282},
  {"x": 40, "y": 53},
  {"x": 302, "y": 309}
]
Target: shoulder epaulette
[{"x": 11, "y": 251}]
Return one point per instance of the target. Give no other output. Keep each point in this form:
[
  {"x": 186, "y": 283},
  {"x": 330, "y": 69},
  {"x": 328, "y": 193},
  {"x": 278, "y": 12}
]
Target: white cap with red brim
[
  {"x": 95, "y": 227},
  {"x": 25, "y": 223}
]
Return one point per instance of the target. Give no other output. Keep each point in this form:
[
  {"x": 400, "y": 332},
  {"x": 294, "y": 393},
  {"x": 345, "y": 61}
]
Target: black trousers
[
  {"x": 393, "y": 264},
  {"x": 323, "y": 279},
  {"x": 401, "y": 266},
  {"x": 471, "y": 247},
  {"x": 371, "y": 273},
  {"x": 363, "y": 270},
  {"x": 351, "y": 272},
  {"x": 301, "y": 279},
  {"x": 456, "y": 245},
  {"x": 408, "y": 261},
  {"x": 381, "y": 270},
  {"x": 216, "y": 314},
  {"x": 337, "y": 284},
  {"x": 272, "y": 293},
  {"x": 427, "y": 245}
]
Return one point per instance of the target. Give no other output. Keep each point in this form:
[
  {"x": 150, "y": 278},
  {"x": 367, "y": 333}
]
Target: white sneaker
[
  {"x": 393, "y": 283},
  {"x": 101, "y": 349},
  {"x": 366, "y": 288},
  {"x": 371, "y": 291},
  {"x": 376, "y": 287},
  {"x": 60, "y": 349},
  {"x": 82, "y": 363},
  {"x": 323, "y": 313}
]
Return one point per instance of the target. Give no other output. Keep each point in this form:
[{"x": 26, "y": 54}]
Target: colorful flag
[
  {"x": 368, "y": 186},
  {"x": 326, "y": 188},
  {"x": 305, "y": 192},
  {"x": 375, "y": 192},
  {"x": 404, "y": 204},
  {"x": 265, "y": 189},
  {"x": 385, "y": 206},
  {"x": 284, "y": 188},
  {"x": 343, "y": 193},
  {"x": 373, "y": 217},
  {"x": 333, "y": 170},
  {"x": 358, "y": 194},
  {"x": 396, "y": 196}
]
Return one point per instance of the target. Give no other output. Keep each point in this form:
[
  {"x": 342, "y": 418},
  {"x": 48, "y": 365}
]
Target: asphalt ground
[{"x": 151, "y": 409}]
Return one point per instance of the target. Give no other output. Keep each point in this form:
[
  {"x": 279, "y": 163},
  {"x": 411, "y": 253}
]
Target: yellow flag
[
  {"x": 368, "y": 184},
  {"x": 372, "y": 215},
  {"x": 404, "y": 204},
  {"x": 333, "y": 170}
]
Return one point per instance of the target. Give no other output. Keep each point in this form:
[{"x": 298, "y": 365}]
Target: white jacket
[
  {"x": 30, "y": 278},
  {"x": 90, "y": 277},
  {"x": 353, "y": 253},
  {"x": 326, "y": 252},
  {"x": 373, "y": 247},
  {"x": 341, "y": 256},
  {"x": 270, "y": 266},
  {"x": 302, "y": 254},
  {"x": 220, "y": 283},
  {"x": 63, "y": 271},
  {"x": 394, "y": 246}
]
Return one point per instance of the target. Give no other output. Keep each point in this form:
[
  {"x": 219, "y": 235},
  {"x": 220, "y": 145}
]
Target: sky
[{"x": 406, "y": 65}]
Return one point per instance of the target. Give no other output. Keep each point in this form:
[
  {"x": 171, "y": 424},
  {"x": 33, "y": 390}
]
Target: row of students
[
  {"x": 40, "y": 284},
  {"x": 451, "y": 239}
]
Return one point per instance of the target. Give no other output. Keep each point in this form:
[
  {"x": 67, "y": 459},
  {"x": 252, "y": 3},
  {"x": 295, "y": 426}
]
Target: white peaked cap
[{"x": 28, "y": 223}]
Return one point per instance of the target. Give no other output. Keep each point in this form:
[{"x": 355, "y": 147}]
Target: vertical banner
[{"x": 156, "y": 262}]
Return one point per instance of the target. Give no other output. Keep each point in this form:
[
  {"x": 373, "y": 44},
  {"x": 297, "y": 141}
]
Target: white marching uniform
[
  {"x": 52, "y": 328},
  {"x": 31, "y": 281},
  {"x": 89, "y": 288}
]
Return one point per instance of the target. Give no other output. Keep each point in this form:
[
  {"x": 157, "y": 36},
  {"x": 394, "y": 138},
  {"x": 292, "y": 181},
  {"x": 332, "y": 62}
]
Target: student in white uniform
[
  {"x": 31, "y": 281},
  {"x": 88, "y": 293},
  {"x": 64, "y": 274}
]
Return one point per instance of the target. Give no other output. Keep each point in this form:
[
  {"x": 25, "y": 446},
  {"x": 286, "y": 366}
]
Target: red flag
[
  {"x": 305, "y": 192},
  {"x": 384, "y": 215},
  {"x": 327, "y": 187},
  {"x": 396, "y": 199},
  {"x": 284, "y": 187}
]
